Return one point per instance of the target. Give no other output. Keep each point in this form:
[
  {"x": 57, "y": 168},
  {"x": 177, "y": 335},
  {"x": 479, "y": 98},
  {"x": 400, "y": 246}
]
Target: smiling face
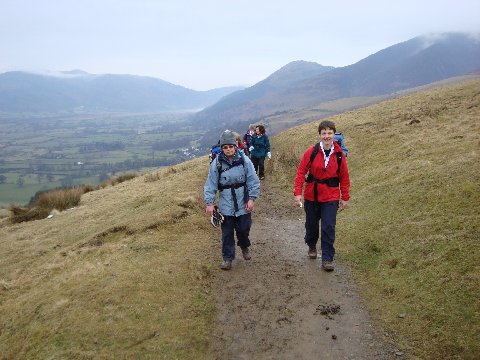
[{"x": 326, "y": 137}]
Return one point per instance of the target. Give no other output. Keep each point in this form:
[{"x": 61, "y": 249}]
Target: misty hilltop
[
  {"x": 418, "y": 61},
  {"x": 299, "y": 84},
  {"x": 78, "y": 90}
]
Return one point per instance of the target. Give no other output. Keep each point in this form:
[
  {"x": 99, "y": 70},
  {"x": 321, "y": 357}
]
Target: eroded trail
[{"x": 282, "y": 305}]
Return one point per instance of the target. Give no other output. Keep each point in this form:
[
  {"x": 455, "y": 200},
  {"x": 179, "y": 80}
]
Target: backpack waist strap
[
  {"x": 330, "y": 182},
  {"x": 234, "y": 195},
  {"x": 232, "y": 186}
]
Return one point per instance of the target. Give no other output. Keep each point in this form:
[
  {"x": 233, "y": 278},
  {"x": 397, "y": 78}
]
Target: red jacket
[{"x": 325, "y": 192}]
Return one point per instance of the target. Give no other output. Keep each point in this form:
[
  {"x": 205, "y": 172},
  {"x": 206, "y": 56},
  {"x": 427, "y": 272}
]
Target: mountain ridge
[
  {"x": 415, "y": 62},
  {"x": 72, "y": 90}
]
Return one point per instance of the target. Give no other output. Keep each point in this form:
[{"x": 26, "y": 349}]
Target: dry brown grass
[
  {"x": 60, "y": 199},
  {"x": 411, "y": 233},
  {"x": 46, "y": 202}
]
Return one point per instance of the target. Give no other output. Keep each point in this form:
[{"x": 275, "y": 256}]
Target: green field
[{"x": 40, "y": 152}]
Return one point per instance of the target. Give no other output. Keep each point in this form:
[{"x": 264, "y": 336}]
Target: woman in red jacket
[{"x": 326, "y": 192}]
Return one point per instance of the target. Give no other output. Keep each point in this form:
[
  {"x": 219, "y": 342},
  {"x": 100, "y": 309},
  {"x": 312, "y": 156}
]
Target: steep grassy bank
[
  {"x": 123, "y": 275},
  {"x": 411, "y": 233}
]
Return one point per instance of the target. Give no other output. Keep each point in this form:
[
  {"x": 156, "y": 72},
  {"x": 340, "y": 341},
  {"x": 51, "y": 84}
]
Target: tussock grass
[
  {"x": 411, "y": 233},
  {"x": 59, "y": 199}
]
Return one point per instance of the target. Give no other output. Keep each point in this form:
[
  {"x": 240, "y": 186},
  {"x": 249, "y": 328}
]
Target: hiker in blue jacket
[
  {"x": 259, "y": 149},
  {"x": 232, "y": 174}
]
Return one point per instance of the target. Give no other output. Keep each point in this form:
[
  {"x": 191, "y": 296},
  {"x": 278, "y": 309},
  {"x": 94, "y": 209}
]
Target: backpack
[
  {"x": 214, "y": 151},
  {"x": 332, "y": 182},
  {"x": 340, "y": 140},
  {"x": 233, "y": 186}
]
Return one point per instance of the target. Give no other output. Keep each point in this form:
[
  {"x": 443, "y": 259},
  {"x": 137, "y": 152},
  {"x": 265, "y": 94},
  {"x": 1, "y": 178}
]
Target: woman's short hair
[
  {"x": 261, "y": 128},
  {"x": 326, "y": 124}
]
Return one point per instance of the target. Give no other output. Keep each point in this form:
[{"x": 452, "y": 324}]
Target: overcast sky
[{"x": 213, "y": 43}]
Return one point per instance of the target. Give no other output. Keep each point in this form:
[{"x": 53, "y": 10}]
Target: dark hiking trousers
[
  {"x": 241, "y": 225},
  {"x": 259, "y": 165},
  {"x": 326, "y": 212}
]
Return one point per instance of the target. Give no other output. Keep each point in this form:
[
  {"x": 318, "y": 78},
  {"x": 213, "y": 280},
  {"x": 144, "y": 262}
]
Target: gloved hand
[
  {"x": 269, "y": 155},
  {"x": 250, "y": 148}
]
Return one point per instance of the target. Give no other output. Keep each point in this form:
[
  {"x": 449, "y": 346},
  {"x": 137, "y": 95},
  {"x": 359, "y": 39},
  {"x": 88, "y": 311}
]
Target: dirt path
[{"x": 282, "y": 305}]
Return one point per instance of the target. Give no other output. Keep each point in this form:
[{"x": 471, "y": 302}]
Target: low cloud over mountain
[{"x": 419, "y": 61}]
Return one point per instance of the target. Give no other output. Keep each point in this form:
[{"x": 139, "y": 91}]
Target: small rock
[
  {"x": 402, "y": 315},
  {"x": 399, "y": 353},
  {"x": 327, "y": 328},
  {"x": 334, "y": 337}
]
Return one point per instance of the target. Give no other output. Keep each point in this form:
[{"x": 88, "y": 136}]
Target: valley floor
[{"x": 282, "y": 305}]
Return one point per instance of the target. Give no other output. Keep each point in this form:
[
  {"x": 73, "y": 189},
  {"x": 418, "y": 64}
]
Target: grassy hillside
[
  {"x": 411, "y": 234},
  {"x": 126, "y": 274},
  {"x": 123, "y": 275}
]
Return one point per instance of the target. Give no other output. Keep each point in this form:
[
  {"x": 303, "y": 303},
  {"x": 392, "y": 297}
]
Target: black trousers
[
  {"x": 259, "y": 165},
  {"x": 241, "y": 226}
]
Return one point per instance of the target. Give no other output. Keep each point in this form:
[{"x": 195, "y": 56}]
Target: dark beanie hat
[{"x": 227, "y": 138}]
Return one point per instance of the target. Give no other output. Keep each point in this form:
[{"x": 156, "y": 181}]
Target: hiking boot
[
  {"x": 327, "y": 265},
  {"x": 226, "y": 265},
  {"x": 246, "y": 253},
  {"x": 312, "y": 252}
]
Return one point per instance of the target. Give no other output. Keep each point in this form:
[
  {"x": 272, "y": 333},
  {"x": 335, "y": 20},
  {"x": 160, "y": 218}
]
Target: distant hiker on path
[
  {"x": 246, "y": 138},
  {"x": 240, "y": 145},
  {"x": 326, "y": 192},
  {"x": 259, "y": 149},
  {"x": 233, "y": 175}
]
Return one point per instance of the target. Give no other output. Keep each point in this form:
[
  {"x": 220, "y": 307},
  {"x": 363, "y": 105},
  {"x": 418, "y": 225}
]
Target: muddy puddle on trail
[{"x": 282, "y": 305}]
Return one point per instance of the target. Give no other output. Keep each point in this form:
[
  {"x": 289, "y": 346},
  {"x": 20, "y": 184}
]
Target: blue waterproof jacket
[
  {"x": 233, "y": 173},
  {"x": 261, "y": 146}
]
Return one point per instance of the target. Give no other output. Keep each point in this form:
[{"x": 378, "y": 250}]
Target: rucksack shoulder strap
[
  {"x": 219, "y": 165},
  {"x": 316, "y": 149},
  {"x": 339, "y": 160},
  {"x": 314, "y": 153}
]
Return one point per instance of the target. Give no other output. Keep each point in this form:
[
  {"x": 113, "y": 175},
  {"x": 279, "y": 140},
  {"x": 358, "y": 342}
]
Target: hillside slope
[
  {"x": 411, "y": 233},
  {"x": 128, "y": 273},
  {"x": 124, "y": 275},
  {"x": 247, "y": 103}
]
